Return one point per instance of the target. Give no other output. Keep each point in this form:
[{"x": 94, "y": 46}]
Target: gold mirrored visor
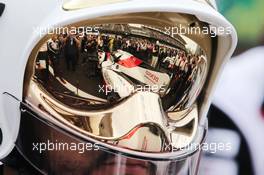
[
  {"x": 129, "y": 80},
  {"x": 53, "y": 150}
]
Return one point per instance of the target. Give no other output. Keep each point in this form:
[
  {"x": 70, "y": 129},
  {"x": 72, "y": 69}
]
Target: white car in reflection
[{"x": 122, "y": 71}]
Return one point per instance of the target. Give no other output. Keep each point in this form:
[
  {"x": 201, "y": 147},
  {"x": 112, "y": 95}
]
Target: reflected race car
[{"x": 127, "y": 71}]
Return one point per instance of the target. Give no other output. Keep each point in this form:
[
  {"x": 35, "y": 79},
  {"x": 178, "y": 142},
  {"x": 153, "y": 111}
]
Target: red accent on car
[
  {"x": 108, "y": 55},
  {"x": 131, "y": 133},
  {"x": 130, "y": 62},
  {"x": 152, "y": 76}
]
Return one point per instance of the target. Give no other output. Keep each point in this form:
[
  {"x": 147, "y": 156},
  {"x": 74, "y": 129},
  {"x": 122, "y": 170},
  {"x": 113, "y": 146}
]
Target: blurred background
[
  {"x": 248, "y": 18},
  {"x": 237, "y": 113}
]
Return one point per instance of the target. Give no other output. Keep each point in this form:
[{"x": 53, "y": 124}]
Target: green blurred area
[{"x": 248, "y": 18}]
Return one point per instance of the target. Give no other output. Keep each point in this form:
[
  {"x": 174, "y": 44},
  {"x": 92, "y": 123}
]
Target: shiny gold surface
[{"x": 133, "y": 85}]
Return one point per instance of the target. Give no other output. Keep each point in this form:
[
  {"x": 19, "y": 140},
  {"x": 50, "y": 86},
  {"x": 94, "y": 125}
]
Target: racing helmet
[{"x": 110, "y": 86}]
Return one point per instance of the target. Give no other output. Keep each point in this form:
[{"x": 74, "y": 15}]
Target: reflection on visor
[
  {"x": 90, "y": 71},
  {"x": 131, "y": 85}
]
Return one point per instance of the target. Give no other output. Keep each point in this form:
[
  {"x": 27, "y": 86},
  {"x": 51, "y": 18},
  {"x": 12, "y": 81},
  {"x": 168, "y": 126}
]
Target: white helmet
[{"x": 132, "y": 113}]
